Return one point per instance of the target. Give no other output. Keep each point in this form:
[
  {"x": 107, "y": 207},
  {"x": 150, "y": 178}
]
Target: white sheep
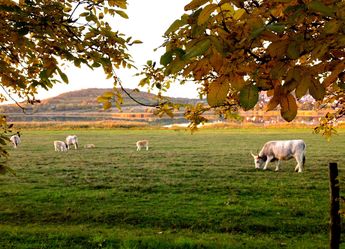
[
  {"x": 142, "y": 143},
  {"x": 89, "y": 146},
  {"x": 15, "y": 139},
  {"x": 72, "y": 140},
  {"x": 60, "y": 146}
]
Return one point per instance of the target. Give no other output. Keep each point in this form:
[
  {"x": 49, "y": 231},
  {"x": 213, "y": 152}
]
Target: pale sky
[{"x": 148, "y": 20}]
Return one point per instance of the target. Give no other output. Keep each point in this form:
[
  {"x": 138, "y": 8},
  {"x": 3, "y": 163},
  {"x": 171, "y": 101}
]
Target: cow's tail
[{"x": 304, "y": 150}]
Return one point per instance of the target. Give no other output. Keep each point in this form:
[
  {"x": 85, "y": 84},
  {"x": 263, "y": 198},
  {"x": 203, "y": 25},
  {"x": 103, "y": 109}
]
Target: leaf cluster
[
  {"x": 237, "y": 49},
  {"x": 38, "y": 36}
]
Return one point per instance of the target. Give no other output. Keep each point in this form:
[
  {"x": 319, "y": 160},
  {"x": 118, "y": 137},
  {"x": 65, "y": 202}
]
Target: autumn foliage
[
  {"x": 38, "y": 37},
  {"x": 237, "y": 49}
]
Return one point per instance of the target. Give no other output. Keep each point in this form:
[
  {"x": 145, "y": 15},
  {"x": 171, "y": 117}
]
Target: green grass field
[{"x": 187, "y": 191}]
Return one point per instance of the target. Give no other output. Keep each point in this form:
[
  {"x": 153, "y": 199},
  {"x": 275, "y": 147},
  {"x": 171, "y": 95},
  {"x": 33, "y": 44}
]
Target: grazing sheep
[
  {"x": 15, "y": 139},
  {"x": 89, "y": 146},
  {"x": 142, "y": 143},
  {"x": 60, "y": 146},
  {"x": 72, "y": 140}
]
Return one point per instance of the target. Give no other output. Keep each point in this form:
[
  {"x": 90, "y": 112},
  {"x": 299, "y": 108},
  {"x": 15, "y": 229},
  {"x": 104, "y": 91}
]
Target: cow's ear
[{"x": 252, "y": 154}]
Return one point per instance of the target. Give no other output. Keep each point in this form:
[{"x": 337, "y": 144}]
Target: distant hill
[
  {"x": 82, "y": 105},
  {"x": 85, "y": 100}
]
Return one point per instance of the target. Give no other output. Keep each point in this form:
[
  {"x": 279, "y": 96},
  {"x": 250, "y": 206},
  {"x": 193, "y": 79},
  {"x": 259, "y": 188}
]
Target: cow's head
[{"x": 258, "y": 161}]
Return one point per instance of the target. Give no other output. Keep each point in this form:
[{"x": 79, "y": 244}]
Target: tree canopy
[
  {"x": 237, "y": 49},
  {"x": 38, "y": 36}
]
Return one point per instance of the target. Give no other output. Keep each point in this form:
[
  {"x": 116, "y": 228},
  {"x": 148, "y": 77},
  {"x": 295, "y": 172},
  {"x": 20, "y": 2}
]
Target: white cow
[
  {"x": 60, "y": 146},
  {"x": 72, "y": 140},
  {"x": 142, "y": 143},
  {"x": 15, "y": 139},
  {"x": 281, "y": 150}
]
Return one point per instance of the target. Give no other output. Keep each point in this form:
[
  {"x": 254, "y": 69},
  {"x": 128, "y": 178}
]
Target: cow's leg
[
  {"x": 267, "y": 162},
  {"x": 277, "y": 165},
  {"x": 299, "y": 166}
]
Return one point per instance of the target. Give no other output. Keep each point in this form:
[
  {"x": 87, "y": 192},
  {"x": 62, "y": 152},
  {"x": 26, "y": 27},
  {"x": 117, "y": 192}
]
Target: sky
[{"x": 148, "y": 20}]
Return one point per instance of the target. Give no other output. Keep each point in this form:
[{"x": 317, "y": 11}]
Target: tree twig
[{"x": 15, "y": 101}]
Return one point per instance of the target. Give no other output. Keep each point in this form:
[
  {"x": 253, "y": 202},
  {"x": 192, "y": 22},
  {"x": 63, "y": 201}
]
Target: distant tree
[
  {"x": 38, "y": 36},
  {"x": 236, "y": 49}
]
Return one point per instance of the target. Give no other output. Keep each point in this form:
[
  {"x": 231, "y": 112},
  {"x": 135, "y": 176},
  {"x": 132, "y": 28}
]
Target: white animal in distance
[
  {"x": 72, "y": 140},
  {"x": 142, "y": 143},
  {"x": 60, "y": 146},
  {"x": 15, "y": 140}
]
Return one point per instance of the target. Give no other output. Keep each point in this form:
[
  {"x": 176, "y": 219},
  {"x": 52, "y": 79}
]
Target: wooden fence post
[{"x": 334, "y": 224}]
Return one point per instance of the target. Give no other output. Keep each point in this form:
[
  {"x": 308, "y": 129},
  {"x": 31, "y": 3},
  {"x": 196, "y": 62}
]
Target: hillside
[
  {"x": 82, "y": 105},
  {"x": 85, "y": 100}
]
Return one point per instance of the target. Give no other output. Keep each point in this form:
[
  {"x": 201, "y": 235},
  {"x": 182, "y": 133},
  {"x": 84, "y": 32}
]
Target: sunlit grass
[{"x": 187, "y": 191}]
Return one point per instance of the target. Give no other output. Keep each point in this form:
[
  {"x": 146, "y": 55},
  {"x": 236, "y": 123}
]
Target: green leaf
[
  {"x": 249, "y": 96},
  {"x": 276, "y": 27},
  {"x": 218, "y": 91},
  {"x": 332, "y": 27},
  {"x": 175, "y": 66},
  {"x": 256, "y": 32},
  {"x": 95, "y": 64},
  {"x": 176, "y": 25},
  {"x": 205, "y": 13},
  {"x": 293, "y": 51},
  {"x": 317, "y": 6},
  {"x": 136, "y": 42},
  {"x": 121, "y": 13},
  {"x": 198, "y": 49},
  {"x": 62, "y": 75},
  {"x": 288, "y": 107},
  {"x": 166, "y": 58},
  {"x": 195, "y": 4}
]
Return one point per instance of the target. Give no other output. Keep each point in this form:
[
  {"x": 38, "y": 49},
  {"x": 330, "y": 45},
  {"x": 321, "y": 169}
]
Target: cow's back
[{"x": 283, "y": 149}]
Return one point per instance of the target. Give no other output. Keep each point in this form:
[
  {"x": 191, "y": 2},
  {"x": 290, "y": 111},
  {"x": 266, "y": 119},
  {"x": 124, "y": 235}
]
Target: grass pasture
[{"x": 187, "y": 191}]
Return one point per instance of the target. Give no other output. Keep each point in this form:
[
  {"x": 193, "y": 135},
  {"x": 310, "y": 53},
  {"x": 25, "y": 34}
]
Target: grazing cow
[
  {"x": 281, "y": 150},
  {"x": 142, "y": 143},
  {"x": 72, "y": 140},
  {"x": 15, "y": 139},
  {"x": 60, "y": 146}
]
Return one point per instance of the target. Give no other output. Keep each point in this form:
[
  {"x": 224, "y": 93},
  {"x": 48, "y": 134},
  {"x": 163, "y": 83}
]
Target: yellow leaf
[
  {"x": 238, "y": 14},
  {"x": 237, "y": 81},
  {"x": 205, "y": 13},
  {"x": 194, "y": 4},
  {"x": 227, "y": 9},
  {"x": 216, "y": 61},
  {"x": 278, "y": 48},
  {"x": 108, "y": 94},
  {"x": 217, "y": 92}
]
